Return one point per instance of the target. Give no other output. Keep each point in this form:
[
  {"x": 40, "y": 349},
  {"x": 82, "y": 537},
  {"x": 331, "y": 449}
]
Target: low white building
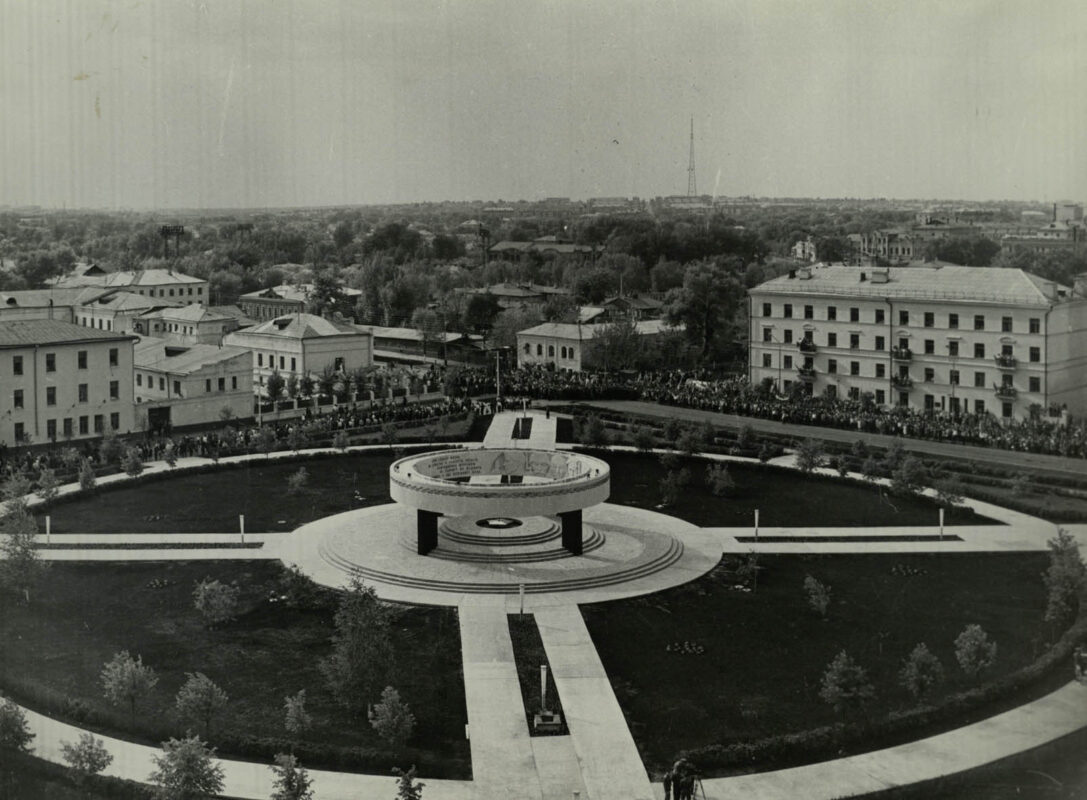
[
  {"x": 175, "y": 386},
  {"x": 568, "y": 345},
  {"x": 188, "y": 325},
  {"x": 159, "y": 283}
]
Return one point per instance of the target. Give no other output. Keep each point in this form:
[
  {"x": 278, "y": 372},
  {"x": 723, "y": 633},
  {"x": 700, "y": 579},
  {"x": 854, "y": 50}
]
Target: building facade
[
  {"x": 63, "y": 382},
  {"x": 951, "y": 339},
  {"x": 176, "y": 386},
  {"x": 158, "y": 283}
]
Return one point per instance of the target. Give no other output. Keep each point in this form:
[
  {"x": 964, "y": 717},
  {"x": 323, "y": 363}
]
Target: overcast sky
[{"x": 321, "y": 102}]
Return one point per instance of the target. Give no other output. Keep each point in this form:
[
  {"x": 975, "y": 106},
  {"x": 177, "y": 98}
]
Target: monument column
[
  {"x": 571, "y": 531},
  {"x": 427, "y": 537}
]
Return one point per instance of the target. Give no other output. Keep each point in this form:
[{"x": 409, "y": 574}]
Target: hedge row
[{"x": 28, "y": 776}]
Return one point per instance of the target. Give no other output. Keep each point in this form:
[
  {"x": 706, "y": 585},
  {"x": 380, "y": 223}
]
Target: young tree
[
  {"x": 949, "y": 491},
  {"x": 593, "y": 432},
  {"x": 674, "y": 482},
  {"x": 672, "y": 430},
  {"x": 909, "y": 477},
  {"x": 186, "y": 770},
  {"x": 109, "y": 449},
  {"x": 48, "y": 485},
  {"x": 298, "y": 482},
  {"x": 719, "y": 480},
  {"x": 266, "y": 439},
  {"x": 362, "y": 658},
  {"x": 274, "y": 385},
  {"x": 745, "y": 437},
  {"x": 643, "y": 438},
  {"x": 296, "y": 438},
  {"x": 893, "y": 457},
  {"x": 392, "y": 719},
  {"x": 974, "y": 651},
  {"x": 21, "y": 566},
  {"x": 14, "y": 732},
  {"x": 872, "y": 469},
  {"x": 809, "y": 455},
  {"x": 406, "y": 786},
  {"x": 689, "y": 441},
  {"x": 200, "y": 701},
  {"x": 390, "y": 434},
  {"x": 1064, "y": 578},
  {"x": 296, "y": 719},
  {"x": 747, "y": 570},
  {"x": 216, "y": 601},
  {"x": 87, "y": 478},
  {"x": 132, "y": 465},
  {"x": 340, "y": 440},
  {"x": 125, "y": 680},
  {"x": 289, "y": 780},
  {"x": 292, "y": 386},
  {"x": 818, "y": 595},
  {"x": 87, "y": 757},
  {"x": 921, "y": 673},
  {"x": 845, "y": 685},
  {"x": 705, "y": 306}
]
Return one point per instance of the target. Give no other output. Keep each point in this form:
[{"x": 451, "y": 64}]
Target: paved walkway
[{"x": 541, "y": 435}]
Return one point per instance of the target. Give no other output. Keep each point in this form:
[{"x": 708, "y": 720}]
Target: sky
[{"x": 270, "y": 103}]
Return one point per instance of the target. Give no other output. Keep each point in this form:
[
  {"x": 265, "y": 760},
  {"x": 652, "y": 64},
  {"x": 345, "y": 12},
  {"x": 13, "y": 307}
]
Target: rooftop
[
  {"x": 29, "y": 332},
  {"x": 407, "y": 334},
  {"x": 302, "y": 326},
  {"x": 34, "y": 298},
  {"x": 571, "y": 330},
  {"x": 142, "y": 277},
  {"x": 161, "y": 355}
]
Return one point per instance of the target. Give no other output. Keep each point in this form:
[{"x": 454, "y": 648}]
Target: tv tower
[{"x": 691, "y": 188}]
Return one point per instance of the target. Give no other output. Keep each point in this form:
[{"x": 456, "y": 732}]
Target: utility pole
[{"x": 691, "y": 187}]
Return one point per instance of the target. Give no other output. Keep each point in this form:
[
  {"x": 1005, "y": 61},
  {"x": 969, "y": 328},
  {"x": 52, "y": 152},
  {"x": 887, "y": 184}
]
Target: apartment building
[
  {"x": 940, "y": 339},
  {"x": 60, "y": 381}
]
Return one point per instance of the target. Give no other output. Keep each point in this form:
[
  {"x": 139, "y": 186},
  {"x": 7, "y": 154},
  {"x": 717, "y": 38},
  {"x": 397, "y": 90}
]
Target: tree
[
  {"x": 216, "y": 601},
  {"x": 921, "y": 673},
  {"x": 186, "y": 770},
  {"x": 809, "y": 455},
  {"x": 296, "y": 719},
  {"x": 362, "y": 658},
  {"x": 615, "y": 346},
  {"x": 292, "y": 386},
  {"x": 14, "y": 732},
  {"x": 1064, "y": 578},
  {"x": 21, "y": 567},
  {"x": 672, "y": 484},
  {"x": 132, "y": 464},
  {"x": 298, "y": 482},
  {"x": 200, "y": 700},
  {"x": 87, "y": 757},
  {"x": 560, "y": 308},
  {"x": 429, "y": 324},
  {"x": 593, "y": 284},
  {"x": 48, "y": 485},
  {"x": 289, "y": 780},
  {"x": 125, "y": 680},
  {"x": 509, "y": 323},
  {"x": 909, "y": 477},
  {"x": 705, "y": 306},
  {"x": 593, "y": 432},
  {"x": 266, "y": 439},
  {"x": 406, "y": 786},
  {"x": 845, "y": 685},
  {"x": 818, "y": 595},
  {"x": 643, "y": 437},
  {"x": 87, "y": 478},
  {"x": 481, "y": 311},
  {"x": 109, "y": 449},
  {"x": 391, "y": 718},
  {"x": 747, "y": 570},
  {"x": 974, "y": 651},
  {"x": 719, "y": 480},
  {"x": 274, "y": 385},
  {"x": 949, "y": 491},
  {"x": 296, "y": 437},
  {"x": 340, "y": 440}
]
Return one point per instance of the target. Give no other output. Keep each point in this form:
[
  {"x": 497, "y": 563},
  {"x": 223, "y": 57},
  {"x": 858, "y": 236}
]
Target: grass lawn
[
  {"x": 85, "y": 613},
  {"x": 764, "y": 652}
]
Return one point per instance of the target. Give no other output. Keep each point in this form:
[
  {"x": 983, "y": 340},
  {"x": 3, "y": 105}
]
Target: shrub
[
  {"x": 643, "y": 438},
  {"x": 974, "y": 651},
  {"x": 87, "y": 479},
  {"x": 14, "y": 732},
  {"x": 809, "y": 455},
  {"x": 745, "y": 439},
  {"x": 200, "y": 700},
  {"x": 908, "y": 477},
  {"x": 216, "y": 601},
  {"x": 921, "y": 673},
  {"x": 690, "y": 441},
  {"x": 593, "y": 432},
  {"x": 1064, "y": 578},
  {"x": 298, "y": 482},
  {"x": 719, "y": 480},
  {"x": 407, "y": 788},
  {"x": 186, "y": 770},
  {"x": 672, "y": 484},
  {"x": 296, "y": 719},
  {"x": 392, "y": 719},
  {"x": 48, "y": 485},
  {"x": 289, "y": 780},
  {"x": 845, "y": 684},
  {"x": 340, "y": 440},
  {"x": 949, "y": 491},
  {"x": 87, "y": 757},
  {"x": 127, "y": 680},
  {"x": 818, "y": 595},
  {"x": 672, "y": 430},
  {"x": 132, "y": 465}
]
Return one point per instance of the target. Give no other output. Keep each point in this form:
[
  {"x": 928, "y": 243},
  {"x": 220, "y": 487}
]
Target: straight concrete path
[
  {"x": 1012, "y": 459},
  {"x": 541, "y": 436},
  {"x": 503, "y": 763},
  {"x": 611, "y": 767}
]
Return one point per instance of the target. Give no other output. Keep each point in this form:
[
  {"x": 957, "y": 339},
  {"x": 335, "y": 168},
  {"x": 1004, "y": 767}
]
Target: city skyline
[{"x": 290, "y": 104}]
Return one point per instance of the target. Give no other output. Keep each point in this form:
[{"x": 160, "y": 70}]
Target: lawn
[
  {"x": 756, "y": 659},
  {"x": 85, "y": 613}
]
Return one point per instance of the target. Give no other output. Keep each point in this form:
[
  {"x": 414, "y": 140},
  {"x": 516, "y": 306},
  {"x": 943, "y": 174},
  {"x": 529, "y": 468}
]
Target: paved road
[{"x": 1009, "y": 458}]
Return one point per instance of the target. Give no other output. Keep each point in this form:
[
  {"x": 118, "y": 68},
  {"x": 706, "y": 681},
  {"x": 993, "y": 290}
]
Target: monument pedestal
[
  {"x": 427, "y": 536},
  {"x": 571, "y": 531}
]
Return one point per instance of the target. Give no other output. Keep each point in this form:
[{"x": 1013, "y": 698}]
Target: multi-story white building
[
  {"x": 160, "y": 283},
  {"x": 60, "y": 381},
  {"x": 176, "y": 386},
  {"x": 955, "y": 339},
  {"x": 301, "y": 344}
]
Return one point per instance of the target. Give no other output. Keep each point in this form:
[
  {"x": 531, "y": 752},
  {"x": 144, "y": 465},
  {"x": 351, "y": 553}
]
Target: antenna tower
[{"x": 691, "y": 189}]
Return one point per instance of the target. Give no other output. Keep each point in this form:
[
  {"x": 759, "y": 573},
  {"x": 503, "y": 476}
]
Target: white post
[
  {"x": 756, "y": 523},
  {"x": 521, "y": 592},
  {"x": 241, "y": 526},
  {"x": 941, "y": 524},
  {"x": 48, "y": 528},
  {"x": 543, "y": 687}
]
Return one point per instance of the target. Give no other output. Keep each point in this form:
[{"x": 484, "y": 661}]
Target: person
[
  {"x": 667, "y": 785},
  {"x": 1079, "y": 663},
  {"x": 683, "y": 778}
]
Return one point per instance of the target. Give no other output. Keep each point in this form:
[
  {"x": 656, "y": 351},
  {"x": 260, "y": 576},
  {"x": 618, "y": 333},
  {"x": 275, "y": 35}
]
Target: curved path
[{"x": 598, "y": 759}]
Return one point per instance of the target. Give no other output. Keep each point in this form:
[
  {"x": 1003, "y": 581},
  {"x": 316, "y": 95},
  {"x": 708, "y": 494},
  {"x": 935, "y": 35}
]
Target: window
[
  {"x": 979, "y": 380},
  {"x": 979, "y": 350},
  {"x": 954, "y": 379},
  {"x": 979, "y": 322},
  {"x": 1006, "y": 324},
  {"x": 854, "y": 368},
  {"x": 113, "y": 356},
  {"x": 1006, "y": 350},
  {"x": 953, "y": 321},
  {"x": 233, "y": 382},
  {"x": 832, "y": 366},
  {"x": 881, "y": 397},
  {"x": 788, "y": 336},
  {"x": 17, "y": 398},
  {"x": 879, "y": 316},
  {"x": 293, "y": 364},
  {"x": 854, "y": 393},
  {"x": 51, "y": 428},
  {"x": 767, "y": 360},
  {"x": 767, "y": 335},
  {"x": 50, "y": 362},
  {"x": 930, "y": 403},
  {"x": 854, "y": 341},
  {"x": 539, "y": 347},
  {"x": 283, "y": 363},
  {"x": 16, "y": 365},
  {"x": 767, "y": 310},
  {"x": 1035, "y": 383},
  {"x": 84, "y": 427},
  {"x": 880, "y": 341},
  {"x": 930, "y": 346},
  {"x": 83, "y": 393},
  {"x": 171, "y": 293},
  {"x": 1035, "y": 354},
  {"x": 162, "y": 383},
  {"x": 67, "y": 427},
  {"x": 930, "y": 319},
  {"x": 207, "y": 385},
  {"x": 81, "y": 359},
  {"x": 528, "y": 349},
  {"x": 881, "y": 370},
  {"x": 930, "y": 374},
  {"x": 115, "y": 421},
  {"x": 953, "y": 348},
  {"x": 1035, "y": 325},
  {"x": 222, "y": 384},
  {"x": 788, "y": 362},
  {"x": 809, "y": 312},
  {"x": 788, "y": 313},
  {"x": 260, "y": 357},
  {"x": 20, "y": 432},
  {"x": 139, "y": 379},
  {"x": 854, "y": 315},
  {"x": 51, "y": 395},
  {"x": 98, "y": 423},
  {"x": 979, "y": 406},
  {"x": 1006, "y": 410},
  {"x": 832, "y": 312},
  {"x": 114, "y": 390},
  {"x": 832, "y": 340},
  {"x": 177, "y": 388},
  {"x": 551, "y": 351},
  {"x": 903, "y": 317}
]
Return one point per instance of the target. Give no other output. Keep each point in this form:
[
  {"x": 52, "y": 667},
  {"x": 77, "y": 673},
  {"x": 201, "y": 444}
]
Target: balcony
[
  {"x": 901, "y": 354},
  {"x": 806, "y": 374},
  {"x": 1005, "y": 392},
  {"x": 1005, "y": 361},
  {"x": 806, "y": 346},
  {"x": 902, "y": 381}
]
